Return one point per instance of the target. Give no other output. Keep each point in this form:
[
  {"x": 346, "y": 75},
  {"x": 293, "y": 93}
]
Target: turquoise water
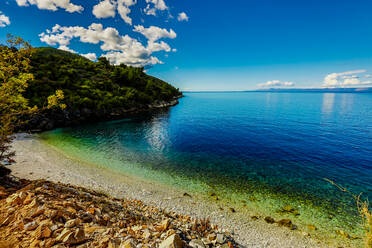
[{"x": 255, "y": 150}]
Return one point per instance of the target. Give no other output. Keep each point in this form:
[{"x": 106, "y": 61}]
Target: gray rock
[{"x": 220, "y": 238}]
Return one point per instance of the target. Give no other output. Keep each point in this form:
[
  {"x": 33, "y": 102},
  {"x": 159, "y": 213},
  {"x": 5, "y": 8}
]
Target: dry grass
[{"x": 364, "y": 211}]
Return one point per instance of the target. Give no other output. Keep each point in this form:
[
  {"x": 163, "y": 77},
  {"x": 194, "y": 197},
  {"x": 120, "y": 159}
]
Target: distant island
[
  {"x": 317, "y": 90},
  {"x": 298, "y": 90}
]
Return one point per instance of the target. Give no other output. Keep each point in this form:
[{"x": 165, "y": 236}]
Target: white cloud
[
  {"x": 276, "y": 83},
  {"x": 66, "y": 48},
  {"x": 104, "y": 9},
  {"x": 118, "y": 48},
  {"x": 91, "y": 56},
  {"x": 107, "y": 8},
  {"x": 344, "y": 79},
  {"x": 53, "y": 5},
  {"x": 153, "y": 33},
  {"x": 4, "y": 20},
  {"x": 182, "y": 17},
  {"x": 154, "y": 5}
]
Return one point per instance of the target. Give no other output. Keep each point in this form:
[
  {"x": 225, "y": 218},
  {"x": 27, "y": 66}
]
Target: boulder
[{"x": 173, "y": 241}]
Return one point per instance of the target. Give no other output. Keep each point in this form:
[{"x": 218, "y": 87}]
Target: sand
[{"x": 37, "y": 160}]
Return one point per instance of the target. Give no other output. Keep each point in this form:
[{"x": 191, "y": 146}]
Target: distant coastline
[{"x": 297, "y": 90}]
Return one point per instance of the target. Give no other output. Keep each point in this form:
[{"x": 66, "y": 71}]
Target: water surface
[{"x": 256, "y": 150}]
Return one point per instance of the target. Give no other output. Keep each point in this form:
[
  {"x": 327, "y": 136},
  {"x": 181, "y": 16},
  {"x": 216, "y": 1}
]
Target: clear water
[{"x": 255, "y": 150}]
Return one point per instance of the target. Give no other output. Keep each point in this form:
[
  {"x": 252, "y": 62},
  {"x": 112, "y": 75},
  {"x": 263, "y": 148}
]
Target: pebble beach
[{"x": 37, "y": 160}]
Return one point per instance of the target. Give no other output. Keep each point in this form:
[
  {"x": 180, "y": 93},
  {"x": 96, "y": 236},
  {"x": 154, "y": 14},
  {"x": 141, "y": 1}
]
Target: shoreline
[{"x": 50, "y": 164}]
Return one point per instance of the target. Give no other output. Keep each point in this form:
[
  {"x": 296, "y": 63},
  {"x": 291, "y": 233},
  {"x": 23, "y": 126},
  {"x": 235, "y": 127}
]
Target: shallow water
[{"x": 255, "y": 150}]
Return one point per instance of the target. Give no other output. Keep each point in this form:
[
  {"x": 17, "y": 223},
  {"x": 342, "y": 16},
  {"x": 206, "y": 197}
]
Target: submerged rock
[
  {"x": 269, "y": 220},
  {"x": 287, "y": 223}
]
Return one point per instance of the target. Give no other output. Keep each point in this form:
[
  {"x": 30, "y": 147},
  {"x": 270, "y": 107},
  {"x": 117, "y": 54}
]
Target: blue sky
[{"x": 216, "y": 45}]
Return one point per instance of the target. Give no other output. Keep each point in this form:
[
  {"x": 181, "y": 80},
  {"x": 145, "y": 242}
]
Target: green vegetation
[
  {"x": 364, "y": 211},
  {"x": 97, "y": 86},
  {"x": 33, "y": 80}
]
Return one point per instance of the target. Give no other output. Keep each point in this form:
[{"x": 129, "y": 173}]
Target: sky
[{"x": 210, "y": 44}]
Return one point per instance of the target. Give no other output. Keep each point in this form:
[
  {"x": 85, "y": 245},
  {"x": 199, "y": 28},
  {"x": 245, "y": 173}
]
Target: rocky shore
[
  {"x": 37, "y": 160},
  {"x": 49, "y": 119},
  {"x": 46, "y": 214}
]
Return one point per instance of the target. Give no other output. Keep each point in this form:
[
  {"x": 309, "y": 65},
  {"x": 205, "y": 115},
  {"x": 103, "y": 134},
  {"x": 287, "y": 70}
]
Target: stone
[
  {"x": 37, "y": 212},
  {"x": 212, "y": 236},
  {"x": 43, "y": 231},
  {"x": 196, "y": 243},
  {"x": 343, "y": 233},
  {"x": 79, "y": 235},
  {"x": 312, "y": 227},
  {"x": 63, "y": 234},
  {"x": 232, "y": 210},
  {"x": 269, "y": 220},
  {"x": 31, "y": 226},
  {"x": 220, "y": 238},
  {"x": 164, "y": 225},
  {"x": 173, "y": 241},
  {"x": 187, "y": 195},
  {"x": 128, "y": 244},
  {"x": 287, "y": 223},
  {"x": 70, "y": 223}
]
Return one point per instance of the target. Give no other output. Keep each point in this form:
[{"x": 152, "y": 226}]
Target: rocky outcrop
[
  {"x": 49, "y": 119},
  {"x": 45, "y": 214}
]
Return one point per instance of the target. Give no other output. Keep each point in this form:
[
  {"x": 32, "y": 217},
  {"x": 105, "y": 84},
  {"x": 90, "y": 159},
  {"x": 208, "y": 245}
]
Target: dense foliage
[
  {"x": 92, "y": 85},
  {"x": 14, "y": 76}
]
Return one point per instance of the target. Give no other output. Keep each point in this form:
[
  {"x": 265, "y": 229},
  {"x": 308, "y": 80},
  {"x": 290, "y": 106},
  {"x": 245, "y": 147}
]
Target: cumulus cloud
[
  {"x": 119, "y": 48},
  {"x": 154, "y": 33},
  {"x": 104, "y": 9},
  {"x": 154, "y": 5},
  {"x": 182, "y": 17},
  {"x": 52, "y": 5},
  {"x": 276, "y": 83},
  {"x": 124, "y": 10},
  {"x": 108, "y": 8},
  {"x": 91, "y": 56},
  {"x": 344, "y": 79},
  {"x": 4, "y": 20}
]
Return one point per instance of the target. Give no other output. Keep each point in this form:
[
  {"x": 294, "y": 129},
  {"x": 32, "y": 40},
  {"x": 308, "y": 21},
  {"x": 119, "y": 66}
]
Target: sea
[{"x": 269, "y": 152}]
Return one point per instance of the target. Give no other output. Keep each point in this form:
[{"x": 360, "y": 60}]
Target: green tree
[
  {"x": 14, "y": 77},
  {"x": 15, "y": 66}
]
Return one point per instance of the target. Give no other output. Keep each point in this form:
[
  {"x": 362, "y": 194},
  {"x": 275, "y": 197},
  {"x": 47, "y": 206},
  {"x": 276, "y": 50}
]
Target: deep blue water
[{"x": 274, "y": 146}]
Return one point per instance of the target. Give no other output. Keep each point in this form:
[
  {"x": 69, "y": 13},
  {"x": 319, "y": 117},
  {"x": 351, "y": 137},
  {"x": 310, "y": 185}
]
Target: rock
[
  {"x": 173, "y": 241},
  {"x": 43, "y": 231},
  {"x": 31, "y": 226},
  {"x": 164, "y": 225},
  {"x": 269, "y": 220},
  {"x": 70, "y": 223},
  {"x": 128, "y": 244},
  {"x": 289, "y": 209},
  {"x": 38, "y": 211},
  {"x": 69, "y": 239},
  {"x": 220, "y": 238},
  {"x": 312, "y": 227},
  {"x": 187, "y": 195},
  {"x": 63, "y": 234},
  {"x": 232, "y": 210},
  {"x": 287, "y": 223},
  {"x": 196, "y": 243},
  {"x": 79, "y": 235},
  {"x": 343, "y": 233},
  {"x": 212, "y": 236}
]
